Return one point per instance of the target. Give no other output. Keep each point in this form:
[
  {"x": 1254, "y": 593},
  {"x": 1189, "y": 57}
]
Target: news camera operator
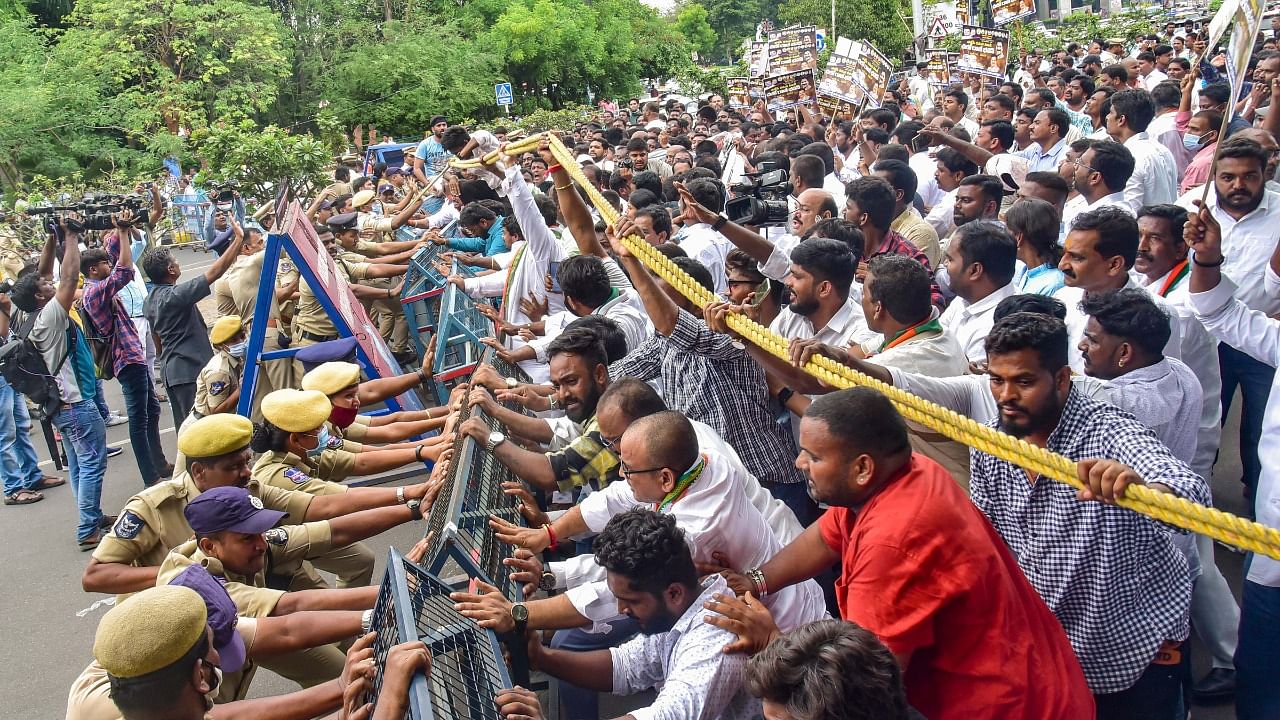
[{"x": 225, "y": 202}]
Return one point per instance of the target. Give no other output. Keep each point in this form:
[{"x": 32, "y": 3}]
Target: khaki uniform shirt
[
  {"x": 375, "y": 228},
  {"x": 152, "y": 522},
  {"x": 242, "y": 282},
  {"x": 217, "y": 381},
  {"x": 311, "y": 316},
  {"x": 90, "y": 696},
  {"x": 287, "y": 471},
  {"x": 357, "y": 431},
  {"x": 286, "y": 273},
  {"x": 223, "y": 303}
]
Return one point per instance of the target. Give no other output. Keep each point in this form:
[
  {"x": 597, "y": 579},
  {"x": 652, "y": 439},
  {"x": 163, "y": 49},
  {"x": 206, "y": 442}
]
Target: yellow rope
[{"x": 1171, "y": 509}]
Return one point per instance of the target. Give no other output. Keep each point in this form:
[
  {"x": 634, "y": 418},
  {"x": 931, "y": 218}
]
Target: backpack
[
  {"x": 100, "y": 344},
  {"x": 23, "y": 367}
]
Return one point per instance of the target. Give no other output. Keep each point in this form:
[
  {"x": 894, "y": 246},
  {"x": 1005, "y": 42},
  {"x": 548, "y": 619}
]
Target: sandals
[
  {"x": 23, "y": 497},
  {"x": 49, "y": 481}
]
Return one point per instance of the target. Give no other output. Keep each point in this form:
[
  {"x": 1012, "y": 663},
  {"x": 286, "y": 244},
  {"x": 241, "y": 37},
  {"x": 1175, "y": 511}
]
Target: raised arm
[
  {"x": 69, "y": 271},
  {"x": 577, "y": 216},
  {"x": 228, "y": 257},
  {"x": 746, "y": 239},
  {"x": 662, "y": 310}
]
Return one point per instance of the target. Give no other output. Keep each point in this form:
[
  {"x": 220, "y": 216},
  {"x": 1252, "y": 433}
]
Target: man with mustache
[{"x": 1100, "y": 175}]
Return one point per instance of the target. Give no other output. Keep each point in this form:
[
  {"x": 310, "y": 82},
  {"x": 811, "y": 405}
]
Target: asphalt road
[{"x": 48, "y": 621}]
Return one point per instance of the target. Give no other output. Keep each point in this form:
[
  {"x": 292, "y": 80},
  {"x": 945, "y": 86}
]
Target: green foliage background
[{"x": 95, "y": 91}]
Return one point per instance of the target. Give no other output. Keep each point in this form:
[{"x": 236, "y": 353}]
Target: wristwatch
[
  {"x": 415, "y": 508},
  {"x": 495, "y": 439},
  {"x": 720, "y": 222},
  {"x": 520, "y": 614},
  {"x": 400, "y": 495},
  {"x": 548, "y": 581},
  {"x": 512, "y": 383},
  {"x": 366, "y": 621}
]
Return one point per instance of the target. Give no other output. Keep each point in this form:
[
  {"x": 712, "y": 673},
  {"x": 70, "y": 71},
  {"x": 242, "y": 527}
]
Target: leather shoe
[
  {"x": 90, "y": 542},
  {"x": 1218, "y": 686}
]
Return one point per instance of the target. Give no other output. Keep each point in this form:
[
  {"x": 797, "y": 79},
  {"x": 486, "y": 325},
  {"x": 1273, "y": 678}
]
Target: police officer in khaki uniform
[
  {"x": 340, "y": 382},
  {"x": 237, "y": 540},
  {"x": 217, "y": 455},
  {"x": 311, "y": 321},
  {"x": 218, "y": 384},
  {"x": 373, "y": 239},
  {"x": 299, "y": 453}
]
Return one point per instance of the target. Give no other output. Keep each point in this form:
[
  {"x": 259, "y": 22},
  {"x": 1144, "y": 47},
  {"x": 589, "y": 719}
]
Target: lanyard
[
  {"x": 682, "y": 485},
  {"x": 930, "y": 325},
  {"x": 1178, "y": 272}
]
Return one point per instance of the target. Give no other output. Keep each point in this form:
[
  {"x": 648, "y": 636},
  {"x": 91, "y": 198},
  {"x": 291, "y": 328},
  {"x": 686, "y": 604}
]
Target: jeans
[
  {"x": 1159, "y": 693},
  {"x": 1254, "y": 379},
  {"x": 100, "y": 400},
  {"x": 144, "y": 421},
  {"x": 181, "y": 399},
  {"x": 18, "y": 461},
  {"x": 1258, "y": 654},
  {"x": 579, "y": 703},
  {"x": 84, "y": 437}
]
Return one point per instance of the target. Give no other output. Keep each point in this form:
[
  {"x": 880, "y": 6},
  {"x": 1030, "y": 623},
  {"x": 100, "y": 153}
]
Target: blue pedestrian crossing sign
[{"x": 502, "y": 91}]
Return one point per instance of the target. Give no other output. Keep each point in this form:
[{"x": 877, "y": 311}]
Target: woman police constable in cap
[
  {"x": 218, "y": 384},
  {"x": 239, "y": 641},
  {"x": 241, "y": 542},
  {"x": 216, "y": 450},
  {"x": 299, "y": 453},
  {"x": 340, "y": 382}
]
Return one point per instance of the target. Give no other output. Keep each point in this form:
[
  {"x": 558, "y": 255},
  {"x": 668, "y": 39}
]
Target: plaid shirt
[
  {"x": 110, "y": 318},
  {"x": 894, "y": 243},
  {"x": 710, "y": 379},
  {"x": 1113, "y": 577},
  {"x": 586, "y": 461}
]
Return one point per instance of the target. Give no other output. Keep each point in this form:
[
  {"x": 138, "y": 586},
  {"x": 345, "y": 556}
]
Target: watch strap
[{"x": 720, "y": 222}]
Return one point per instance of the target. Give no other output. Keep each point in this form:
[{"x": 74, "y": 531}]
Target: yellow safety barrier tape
[{"x": 1171, "y": 509}]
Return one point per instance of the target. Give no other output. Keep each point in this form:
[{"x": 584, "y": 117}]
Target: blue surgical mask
[
  {"x": 322, "y": 441},
  {"x": 238, "y": 349},
  {"x": 1191, "y": 142}
]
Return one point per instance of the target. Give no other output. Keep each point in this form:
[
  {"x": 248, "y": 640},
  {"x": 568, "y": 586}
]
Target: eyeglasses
[
  {"x": 610, "y": 444},
  {"x": 628, "y": 472},
  {"x": 1086, "y": 167}
]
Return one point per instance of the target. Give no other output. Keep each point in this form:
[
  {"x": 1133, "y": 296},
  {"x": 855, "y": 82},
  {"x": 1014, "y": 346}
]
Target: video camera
[
  {"x": 223, "y": 191},
  {"x": 761, "y": 198},
  {"x": 93, "y": 212}
]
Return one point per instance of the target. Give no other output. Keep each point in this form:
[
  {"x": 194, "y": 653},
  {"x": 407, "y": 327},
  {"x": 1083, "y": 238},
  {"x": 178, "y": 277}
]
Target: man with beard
[
  {"x": 1114, "y": 578},
  {"x": 430, "y": 158},
  {"x": 979, "y": 263},
  {"x": 918, "y": 564},
  {"x": 579, "y": 374},
  {"x": 652, "y": 574}
]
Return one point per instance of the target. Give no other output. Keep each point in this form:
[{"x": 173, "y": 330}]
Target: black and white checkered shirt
[
  {"x": 710, "y": 379},
  {"x": 1113, "y": 577}
]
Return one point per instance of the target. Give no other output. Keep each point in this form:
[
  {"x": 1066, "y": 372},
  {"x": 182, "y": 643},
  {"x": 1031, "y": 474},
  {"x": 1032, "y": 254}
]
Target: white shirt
[
  {"x": 1154, "y": 78},
  {"x": 926, "y": 169},
  {"x": 1247, "y": 245},
  {"x": 1231, "y": 321},
  {"x": 970, "y": 324},
  {"x": 708, "y": 247},
  {"x": 942, "y": 216},
  {"x": 846, "y": 326},
  {"x": 1079, "y": 204},
  {"x": 1199, "y": 351},
  {"x": 716, "y": 516},
  {"x": 778, "y": 266},
  {"x": 1155, "y": 174},
  {"x": 834, "y": 186},
  {"x": 1076, "y": 321},
  {"x": 697, "y": 680},
  {"x": 1165, "y": 397}
]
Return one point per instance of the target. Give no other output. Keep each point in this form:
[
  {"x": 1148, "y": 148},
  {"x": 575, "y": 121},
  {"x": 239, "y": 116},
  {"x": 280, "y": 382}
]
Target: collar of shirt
[
  {"x": 1115, "y": 198},
  {"x": 1052, "y": 152},
  {"x": 1040, "y": 269},
  {"x": 988, "y": 303},
  {"x": 1136, "y": 139},
  {"x": 693, "y": 615}
]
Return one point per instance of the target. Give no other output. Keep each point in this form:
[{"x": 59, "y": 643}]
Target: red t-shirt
[{"x": 926, "y": 572}]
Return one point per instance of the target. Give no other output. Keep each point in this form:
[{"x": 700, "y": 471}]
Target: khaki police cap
[
  {"x": 216, "y": 435},
  {"x": 296, "y": 410},
  {"x": 332, "y": 377},
  {"x": 150, "y": 631},
  {"x": 362, "y": 198},
  {"x": 225, "y": 328}
]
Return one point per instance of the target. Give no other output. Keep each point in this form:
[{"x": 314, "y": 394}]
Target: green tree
[
  {"x": 875, "y": 21},
  {"x": 691, "y": 21},
  {"x": 402, "y": 79},
  {"x": 733, "y": 21},
  {"x": 261, "y": 158},
  {"x": 168, "y": 64}
]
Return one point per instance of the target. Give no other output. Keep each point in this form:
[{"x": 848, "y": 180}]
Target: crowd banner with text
[
  {"x": 788, "y": 90},
  {"x": 738, "y": 93},
  {"x": 938, "y": 73},
  {"x": 1004, "y": 12},
  {"x": 793, "y": 48},
  {"x": 871, "y": 72},
  {"x": 984, "y": 51},
  {"x": 838, "y": 83}
]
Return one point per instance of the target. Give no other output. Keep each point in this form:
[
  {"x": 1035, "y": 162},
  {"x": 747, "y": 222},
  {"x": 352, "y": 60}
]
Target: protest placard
[
  {"x": 984, "y": 51},
  {"x": 838, "y": 109},
  {"x": 938, "y": 72},
  {"x": 871, "y": 71},
  {"x": 793, "y": 48},
  {"x": 838, "y": 83},
  {"x": 738, "y": 92},
  {"x": 788, "y": 90},
  {"x": 758, "y": 59},
  {"x": 1004, "y": 12}
]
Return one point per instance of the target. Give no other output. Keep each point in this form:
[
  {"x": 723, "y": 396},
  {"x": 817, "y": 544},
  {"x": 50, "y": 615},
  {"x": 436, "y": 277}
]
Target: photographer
[
  {"x": 62, "y": 345},
  {"x": 23, "y": 480},
  {"x": 226, "y": 202},
  {"x": 108, "y": 316}
]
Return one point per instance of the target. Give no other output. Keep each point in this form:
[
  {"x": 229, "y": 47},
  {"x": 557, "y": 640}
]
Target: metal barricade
[
  {"x": 467, "y": 669},
  {"x": 458, "y": 333}
]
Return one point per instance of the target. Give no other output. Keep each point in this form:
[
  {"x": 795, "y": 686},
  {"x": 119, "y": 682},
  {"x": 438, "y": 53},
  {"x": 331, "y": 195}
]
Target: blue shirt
[
  {"x": 490, "y": 245},
  {"x": 1040, "y": 161},
  {"x": 434, "y": 156},
  {"x": 1043, "y": 280}
]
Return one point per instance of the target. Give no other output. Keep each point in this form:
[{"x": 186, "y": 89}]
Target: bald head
[{"x": 664, "y": 439}]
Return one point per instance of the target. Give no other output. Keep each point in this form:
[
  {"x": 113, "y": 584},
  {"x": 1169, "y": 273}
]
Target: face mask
[
  {"x": 1191, "y": 142},
  {"x": 343, "y": 417},
  {"x": 214, "y": 684},
  {"x": 321, "y": 442},
  {"x": 238, "y": 349}
]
